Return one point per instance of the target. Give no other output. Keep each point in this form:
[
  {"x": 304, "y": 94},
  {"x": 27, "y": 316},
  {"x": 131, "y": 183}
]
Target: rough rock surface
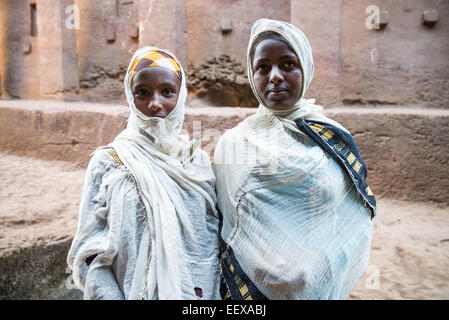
[
  {"x": 220, "y": 82},
  {"x": 100, "y": 84}
]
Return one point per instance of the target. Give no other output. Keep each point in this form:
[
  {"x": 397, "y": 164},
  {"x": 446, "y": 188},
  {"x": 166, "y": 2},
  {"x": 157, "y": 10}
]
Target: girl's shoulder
[
  {"x": 105, "y": 160},
  {"x": 105, "y": 154},
  {"x": 105, "y": 165}
]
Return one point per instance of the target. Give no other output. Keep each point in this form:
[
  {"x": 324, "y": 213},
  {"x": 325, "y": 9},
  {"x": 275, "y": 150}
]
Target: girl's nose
[
  {"x": 155, "y": 106},
  {"x": 276, "y": 76}
]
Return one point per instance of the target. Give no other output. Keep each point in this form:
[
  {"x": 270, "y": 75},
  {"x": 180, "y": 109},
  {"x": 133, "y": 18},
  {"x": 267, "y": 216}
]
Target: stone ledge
[
  {"x": 38, "y": 271},
  {"x": 404, "y": 148}
]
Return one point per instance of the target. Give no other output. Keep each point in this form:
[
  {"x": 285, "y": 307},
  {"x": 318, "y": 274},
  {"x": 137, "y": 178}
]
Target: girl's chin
[{"x": 153, "y": 115}]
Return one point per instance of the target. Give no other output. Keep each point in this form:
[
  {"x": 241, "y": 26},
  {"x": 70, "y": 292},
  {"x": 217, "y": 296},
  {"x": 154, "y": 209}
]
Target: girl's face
[
  {"x": 277, "y": 74},
  {"x": 155, "y": 91}
]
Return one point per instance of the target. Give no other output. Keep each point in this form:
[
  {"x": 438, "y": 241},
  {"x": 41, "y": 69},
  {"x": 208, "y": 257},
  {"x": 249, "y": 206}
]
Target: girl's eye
[
  {"x": 263, "y": 68},
  {"x": 288, "y": 64},
  {"x": 141, "y": 92}
]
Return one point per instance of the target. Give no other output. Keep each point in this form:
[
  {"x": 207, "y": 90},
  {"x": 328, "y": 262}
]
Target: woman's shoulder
[
  {"x": 232, "y": 134},
  {"x": 235, "y": 134}
]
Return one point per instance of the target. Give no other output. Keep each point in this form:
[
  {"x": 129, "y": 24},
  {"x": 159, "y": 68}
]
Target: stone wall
[
  {"x": 19, "y": 51},
  {"x": 217, "y": 32},
  {"x": 38, "y": 54},
  {"x": 104, "y": 46},
  {"x": 405, "y": 149},
  {"x": 321, "y": 22},
  {"x": 404, "y": 63}
]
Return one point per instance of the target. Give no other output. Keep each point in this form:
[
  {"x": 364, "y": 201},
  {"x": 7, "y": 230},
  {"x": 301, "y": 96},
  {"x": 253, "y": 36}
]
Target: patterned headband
[{"x": 156, "y": 58}]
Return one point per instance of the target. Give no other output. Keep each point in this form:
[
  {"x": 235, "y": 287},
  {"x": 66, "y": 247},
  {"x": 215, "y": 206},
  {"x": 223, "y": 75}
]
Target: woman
[
  {"x": 296, "y": 210},
  {"x": 148, "y": 224}
]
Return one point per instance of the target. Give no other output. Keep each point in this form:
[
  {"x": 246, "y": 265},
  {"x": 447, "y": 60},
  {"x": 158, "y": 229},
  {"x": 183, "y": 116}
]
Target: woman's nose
[{"x": 276, "y": 76}]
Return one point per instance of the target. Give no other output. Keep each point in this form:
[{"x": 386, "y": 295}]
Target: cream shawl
[
  {"x": 179, "y": 250},
  {"x": 293, "y": 218}
]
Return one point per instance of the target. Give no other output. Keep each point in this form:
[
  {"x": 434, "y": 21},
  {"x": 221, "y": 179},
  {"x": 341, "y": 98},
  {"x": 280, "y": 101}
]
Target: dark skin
[
  {"x": 155, "y": 91},
  {"x": 277, "y": 74}
]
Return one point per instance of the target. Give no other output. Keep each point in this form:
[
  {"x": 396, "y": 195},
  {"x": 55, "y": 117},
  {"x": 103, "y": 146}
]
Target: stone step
[
  {"x": 405, "y": 148},
  {"x": 39, "y": 216},
  {"x": 39, "y": 203}
]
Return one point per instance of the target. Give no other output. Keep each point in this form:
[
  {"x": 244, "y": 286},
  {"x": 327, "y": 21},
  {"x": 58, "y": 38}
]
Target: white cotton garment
[
  {"x": 173, "y": 250},
  {"x": 291, "y": 214}
]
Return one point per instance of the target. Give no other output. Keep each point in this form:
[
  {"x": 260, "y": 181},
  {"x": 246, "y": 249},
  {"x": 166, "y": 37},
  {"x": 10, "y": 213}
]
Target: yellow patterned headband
[{"x": 156, "y": 58}]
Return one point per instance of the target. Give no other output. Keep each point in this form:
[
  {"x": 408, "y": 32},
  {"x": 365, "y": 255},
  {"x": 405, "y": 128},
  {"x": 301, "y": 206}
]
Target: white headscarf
[
  {"x": 303, "y": 108},
  {"x": 291, "y": 214},
  {"x": 177, "y": 186},
  {"x": 166, "y": 130}
]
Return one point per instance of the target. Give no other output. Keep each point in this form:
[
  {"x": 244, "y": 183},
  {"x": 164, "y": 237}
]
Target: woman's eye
[
  {"x": 168, "y": 92},
  {"x": 288, "y": 64}
]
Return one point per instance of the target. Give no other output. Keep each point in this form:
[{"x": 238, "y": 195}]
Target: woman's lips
[{"x": 277, "y": 93}]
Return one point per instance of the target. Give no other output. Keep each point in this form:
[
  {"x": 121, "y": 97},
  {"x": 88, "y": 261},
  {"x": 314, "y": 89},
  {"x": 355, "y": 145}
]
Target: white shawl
[
  {"x": 293, "y": 218},
  {"x": 179, "y": 250},
  {"x": 303, "y": 108}
]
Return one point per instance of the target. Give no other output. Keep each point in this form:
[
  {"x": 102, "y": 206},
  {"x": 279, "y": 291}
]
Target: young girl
[{"x": 147, "y": 223}]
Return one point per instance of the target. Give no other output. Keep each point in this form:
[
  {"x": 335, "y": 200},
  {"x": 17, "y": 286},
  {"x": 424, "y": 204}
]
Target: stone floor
[{"x": 38, "y": 217}]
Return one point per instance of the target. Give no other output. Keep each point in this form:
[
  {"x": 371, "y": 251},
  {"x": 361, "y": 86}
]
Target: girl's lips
[{"x": 155, "y": 115}]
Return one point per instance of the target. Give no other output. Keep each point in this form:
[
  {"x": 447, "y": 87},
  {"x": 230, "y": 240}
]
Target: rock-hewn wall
[
  {"x": 404, "y": 63},
  {"x": 405, "y": 149},
  {"x": 19, "y": 51},
  {"x": 321, "y": 22},
  {"x": 217, "y": 34},
  {"x": 104, "y": 46},
  {"x": 220, "y": 82},
  {"x": 39, "y": 54}
]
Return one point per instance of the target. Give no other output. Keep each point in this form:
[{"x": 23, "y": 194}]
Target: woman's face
[
  {"x": 155, "y": 91},
  {"x": 277, "y": 74}
]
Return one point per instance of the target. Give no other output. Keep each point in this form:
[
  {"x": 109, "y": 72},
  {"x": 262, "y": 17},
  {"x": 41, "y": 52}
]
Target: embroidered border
[
  {"x": 342, "y": 147},
  {"x": 239, "y": 285},
  {"x": 114, "y": 155}
]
